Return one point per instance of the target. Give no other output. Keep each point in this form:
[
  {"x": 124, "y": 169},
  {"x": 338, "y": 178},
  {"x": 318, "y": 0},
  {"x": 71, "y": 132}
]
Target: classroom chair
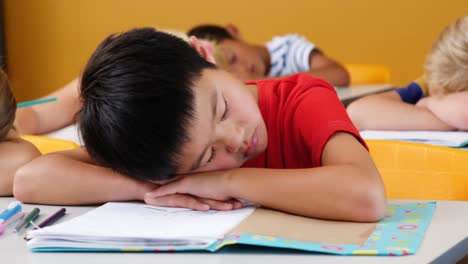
[
  {"x": 421, "y": 171},
  {"x": 47, "y": 145},
  {"x": 368, "y": 74}
]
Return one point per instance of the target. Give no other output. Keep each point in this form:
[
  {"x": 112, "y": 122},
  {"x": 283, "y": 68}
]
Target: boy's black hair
[
  {"x": 138, "y": 102},
  {"x": 210, "y": 32}
]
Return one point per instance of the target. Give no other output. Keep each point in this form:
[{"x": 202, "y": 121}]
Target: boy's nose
[
  {"x": 233, "y": 147},
  {"x": 234, "y": 140}
]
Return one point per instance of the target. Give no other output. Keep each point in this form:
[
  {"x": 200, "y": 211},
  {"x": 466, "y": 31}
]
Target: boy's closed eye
[{"x": 223, "y": 117}]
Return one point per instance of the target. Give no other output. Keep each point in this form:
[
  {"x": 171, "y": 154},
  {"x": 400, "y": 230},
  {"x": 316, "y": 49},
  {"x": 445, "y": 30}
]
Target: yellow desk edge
[{"x": 421, "y": 171}]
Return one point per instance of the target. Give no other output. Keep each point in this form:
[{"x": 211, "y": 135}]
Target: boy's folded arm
[
  {"x": 326, "y": 68},
  {"x": 43, "y": 118},
  {"x": 346, "y": 187},
  {"x": 70, "y": 178},
  {"x": 451, "y": 109},
  {"x": 386, "y": 111},
  {"x": 14, "y": 153}
]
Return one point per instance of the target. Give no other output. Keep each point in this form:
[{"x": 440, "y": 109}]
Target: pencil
[
  {"x": 35, "y": 102},
  {"x": 51, "y": 219}
]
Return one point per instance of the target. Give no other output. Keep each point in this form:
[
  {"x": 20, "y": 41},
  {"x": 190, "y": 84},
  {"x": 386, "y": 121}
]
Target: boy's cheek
[{"x": 224, "y": 163}]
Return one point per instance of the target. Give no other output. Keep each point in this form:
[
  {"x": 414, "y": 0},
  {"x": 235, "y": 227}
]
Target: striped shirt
[{"x": 289, "y": 54}]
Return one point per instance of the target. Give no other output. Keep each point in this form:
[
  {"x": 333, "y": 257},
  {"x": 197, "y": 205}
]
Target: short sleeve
[
  {"x": 289, "y": 54},
  {"x": 318, "y": 117},
  {"x": 411, "y": 94}
]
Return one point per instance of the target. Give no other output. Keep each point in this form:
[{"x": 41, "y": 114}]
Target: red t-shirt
[{"x": 301, "y": 113}]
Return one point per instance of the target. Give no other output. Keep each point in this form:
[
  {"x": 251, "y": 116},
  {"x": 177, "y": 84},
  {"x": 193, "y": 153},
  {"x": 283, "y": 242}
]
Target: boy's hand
[
  {"x": 200, "y": 191},
  {"x": 192, "y": 202}
]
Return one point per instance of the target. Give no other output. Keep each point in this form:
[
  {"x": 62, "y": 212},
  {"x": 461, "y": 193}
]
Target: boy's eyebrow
[{"x": 214, "y": 105}]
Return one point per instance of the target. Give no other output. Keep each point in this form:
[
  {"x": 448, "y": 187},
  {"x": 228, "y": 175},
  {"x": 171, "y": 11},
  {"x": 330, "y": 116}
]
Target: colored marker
[
  {"x": 35, "y": 102},
  {"x": 51, "y": 219},
  {"x": 30, "y": 217},
  {"x": 4, "y": 225},
  {"x": 12, "y": 209}
]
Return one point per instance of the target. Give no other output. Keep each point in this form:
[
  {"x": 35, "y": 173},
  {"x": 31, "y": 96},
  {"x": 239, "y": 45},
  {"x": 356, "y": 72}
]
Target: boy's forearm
[
  {"x": 26, "y": 121},
  {"x": 47, "y": 117},
  {"x": 332, "y": 192},
  {"x": 387, "y": 112},
  {"x": 14, "y": 153},
  {"x": 57, "y": 179},
  {"x": 324, "y": 67},
  {"x": 335, "y": 74},
  {"x": 451, "y": 109}
]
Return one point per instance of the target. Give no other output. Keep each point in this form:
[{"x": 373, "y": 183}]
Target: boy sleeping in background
[{"x": 282, "y": 56}]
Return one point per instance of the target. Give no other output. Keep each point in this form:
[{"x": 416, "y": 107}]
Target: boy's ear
[
  {"x": 204, "y": 48},
  {"x": 234, "y": 31}
]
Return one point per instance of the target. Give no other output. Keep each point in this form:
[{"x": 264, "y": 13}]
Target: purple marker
[{"x": 51, "y": 219}]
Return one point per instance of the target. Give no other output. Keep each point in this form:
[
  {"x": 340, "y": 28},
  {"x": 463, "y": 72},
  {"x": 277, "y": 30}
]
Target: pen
[
  {"x": 12, "y": 219},
  {"x": 12, "y": 209},
  {"x": 30, "y": 217},
  {"x": 35, "y": 102},
  {"x": 51, "y": 219}
]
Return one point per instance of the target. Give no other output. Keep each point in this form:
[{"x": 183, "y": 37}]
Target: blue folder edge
[{"x": 399, "y": 233}]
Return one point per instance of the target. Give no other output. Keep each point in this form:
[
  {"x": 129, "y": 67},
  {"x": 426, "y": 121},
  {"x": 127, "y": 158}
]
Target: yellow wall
[{"x": 48, "y": 41}]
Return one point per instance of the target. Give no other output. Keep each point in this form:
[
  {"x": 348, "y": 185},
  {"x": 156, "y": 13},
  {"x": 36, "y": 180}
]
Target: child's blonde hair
[
  {"x": 446, "y": 66},
  {"x": 7, "y": 106}
]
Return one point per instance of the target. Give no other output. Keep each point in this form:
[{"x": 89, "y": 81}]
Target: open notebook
[
  {"x": 453, "y": 139},
  {"x": 138, "y": 227},
  {"x": 133, "y": 226}
]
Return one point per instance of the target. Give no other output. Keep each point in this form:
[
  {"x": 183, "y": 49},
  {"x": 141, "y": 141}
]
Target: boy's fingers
[
  {"x": 191, "y": 202},
  {"x": 236, "y": 204},
  {"x": 163, "y": 190},
  {"x": 217, "y": 205},
  {"x": 177, "y": 200}
]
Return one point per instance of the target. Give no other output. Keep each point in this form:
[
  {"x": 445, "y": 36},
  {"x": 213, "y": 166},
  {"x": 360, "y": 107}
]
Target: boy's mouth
[{"x": 252, "y": 144}]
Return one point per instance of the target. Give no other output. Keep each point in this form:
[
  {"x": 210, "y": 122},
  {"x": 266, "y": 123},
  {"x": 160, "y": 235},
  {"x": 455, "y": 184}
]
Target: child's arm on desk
[
  {"x": 346, "y": 187},
  {"x": 326, "y": 68},
  {"x": 71, "y": 178},
  {"x": 450, "y": 108},
  {"x": 43, "y": 118},
  {"x": 14, "y": 153},
  {"x": 386, "y": 111}
]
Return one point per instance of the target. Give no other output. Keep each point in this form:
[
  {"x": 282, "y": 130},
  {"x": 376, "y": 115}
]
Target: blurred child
[
  {"x": 14, "y": 152},
  {"x": 158, "y": 112},
  {"x": 436, "y": 101},
  {"x": 282, "y": 56}
]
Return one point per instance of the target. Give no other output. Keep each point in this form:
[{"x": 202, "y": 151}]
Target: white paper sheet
[
  {"x": 439, "y": 138},
  {"x": 69, "y": 133}
]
